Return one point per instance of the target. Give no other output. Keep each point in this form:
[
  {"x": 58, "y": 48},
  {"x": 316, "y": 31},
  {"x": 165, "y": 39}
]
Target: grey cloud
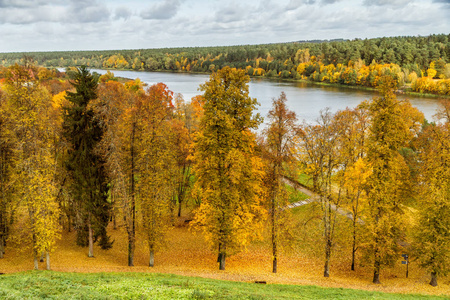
[
  {"x": 386, "y": 2},
  {"x": 86, "y": 11},
  {"x": 230, "y": 14},
  {"x": 37, "y": 14},
  {"x": 122, "y": 13},
  {"x": 294, "y": 4},
  {"x": 161, "y": 11},
  {"x": 25, "y": 3}
]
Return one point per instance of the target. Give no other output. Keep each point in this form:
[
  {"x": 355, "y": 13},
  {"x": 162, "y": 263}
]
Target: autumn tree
[
  {"x": 116, "y": 107},
  {"x": 278, "y": 149},
  {"x": 89, "y": 187},
  {"x": 322, "y": 159},
  {"x": 392, "y": 125},
  {"x": 228, "y": 172},
  {"x": 182, "y": 128},
  {"x": 433, "y": 229},
  {"x": 7, "y": 146},
  {"x": 157, "y": 164},
  {"x": 34, "y": 160},
  {"x": 354, "y": 170}
]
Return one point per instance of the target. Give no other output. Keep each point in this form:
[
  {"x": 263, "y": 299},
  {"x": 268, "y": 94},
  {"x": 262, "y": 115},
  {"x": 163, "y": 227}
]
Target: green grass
[
  {"x": 55, "y": 285},
  {"x": 295, "y": 196}
]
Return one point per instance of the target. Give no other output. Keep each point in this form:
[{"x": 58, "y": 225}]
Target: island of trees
[{"x": 88, "y": 153}]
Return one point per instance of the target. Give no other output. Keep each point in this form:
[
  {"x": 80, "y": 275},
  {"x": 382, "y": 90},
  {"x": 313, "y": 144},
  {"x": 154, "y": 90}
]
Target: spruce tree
[{"x": 89, "y": 181}]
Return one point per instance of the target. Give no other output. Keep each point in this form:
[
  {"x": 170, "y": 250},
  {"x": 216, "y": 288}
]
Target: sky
[{"x": 66, "y": 25}]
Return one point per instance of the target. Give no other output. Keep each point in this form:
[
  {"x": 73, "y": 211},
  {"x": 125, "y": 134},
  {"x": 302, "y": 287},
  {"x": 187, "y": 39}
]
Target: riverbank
[{"x": 401, "y": 91}]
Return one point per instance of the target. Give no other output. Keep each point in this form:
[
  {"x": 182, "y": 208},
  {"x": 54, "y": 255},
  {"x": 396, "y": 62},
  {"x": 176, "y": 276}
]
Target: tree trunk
[
  {"x": 222, "y": 261},
  {"x": 274, "y": 239},
  {"x": 353, "y": 246},
  {"x": 47, "y": 260},
  {"x": 221, "y": 257},
  {"x": 113, "y": 215},
  {"x": 152, "y": 257},
  {"x": 181, "y": 189},
  {"x": 2, "y": 246},
  {"x": 376, "y": 272},
  {"x": 131, "y": 249},
  {"x": 353, "y": 260},
  {"x": 274, "y": 265},
  {"x": 69, "y": 222},
  {"x": 132, "y": 230},
  {"x": 36, "y": 261},
  {"x": 179, "y": 207},
  {"x": 91, "y": 238},
  {"x": 326, "y": 268},
  {"x": 433, "y": 281}
]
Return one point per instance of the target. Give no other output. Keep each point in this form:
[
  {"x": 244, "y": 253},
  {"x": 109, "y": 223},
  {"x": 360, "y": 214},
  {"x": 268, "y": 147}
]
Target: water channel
[{"x": 306, "y": 99}]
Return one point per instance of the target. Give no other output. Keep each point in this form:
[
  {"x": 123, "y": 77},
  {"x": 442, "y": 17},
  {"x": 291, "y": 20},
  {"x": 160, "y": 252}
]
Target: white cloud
[{"x": 29, "y": 25}]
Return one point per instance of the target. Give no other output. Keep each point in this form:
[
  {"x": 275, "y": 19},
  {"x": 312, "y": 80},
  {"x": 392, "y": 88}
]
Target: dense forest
[
  {"x": 418, "y": 63},
  {"x": 91, "y": 154}
]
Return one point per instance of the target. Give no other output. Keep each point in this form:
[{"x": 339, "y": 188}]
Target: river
[{"x": 306, "y": 99}]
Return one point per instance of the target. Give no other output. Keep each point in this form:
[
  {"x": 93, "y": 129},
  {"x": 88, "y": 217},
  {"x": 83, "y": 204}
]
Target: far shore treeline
[
  {"x": 421, "y": 64},
  {"x": 90, "y": 153}
]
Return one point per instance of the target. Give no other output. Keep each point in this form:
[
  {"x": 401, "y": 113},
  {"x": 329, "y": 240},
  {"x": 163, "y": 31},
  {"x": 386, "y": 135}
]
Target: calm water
[{"x": 305, "y": 99}]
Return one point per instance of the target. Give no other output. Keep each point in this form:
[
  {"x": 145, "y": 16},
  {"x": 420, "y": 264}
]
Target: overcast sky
[{"x": 50, "y": 25}]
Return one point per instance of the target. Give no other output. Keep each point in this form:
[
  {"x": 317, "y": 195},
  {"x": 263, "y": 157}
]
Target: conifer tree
[{"x": 89, "y": 188}]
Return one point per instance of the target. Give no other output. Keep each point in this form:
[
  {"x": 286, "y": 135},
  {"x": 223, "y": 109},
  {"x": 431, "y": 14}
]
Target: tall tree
[
  {"x": 392, "y": 125},
  {"x": 228, "y": 172},
  {"x": 7, "y": 145},
  {"x": 433, "y": 230},
  {"x": 89, "y": 187},
  {"x": 321, "y": 156},
  {"x": 278, "y": 149},
  {"x": 353, "y": 172},
  {"x": 34, "y": 166},
  {"x": 116, "y": 106},
  {"x": 183, "y": 131},
  {"x": 157, "y": 164}
]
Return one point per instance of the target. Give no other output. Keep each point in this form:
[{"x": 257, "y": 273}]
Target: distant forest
[{"x": 420, "y": 63}]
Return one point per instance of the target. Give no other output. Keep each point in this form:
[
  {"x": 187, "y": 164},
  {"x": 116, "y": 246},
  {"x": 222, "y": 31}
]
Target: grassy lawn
[{"x": 55, "y": 285}]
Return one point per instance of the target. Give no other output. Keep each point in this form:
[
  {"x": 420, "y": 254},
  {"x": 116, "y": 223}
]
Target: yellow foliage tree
[
  {"x": 393, "y": 124},
  {"x": 35, "y": 165},
  {"x": 229, "y": 174}
]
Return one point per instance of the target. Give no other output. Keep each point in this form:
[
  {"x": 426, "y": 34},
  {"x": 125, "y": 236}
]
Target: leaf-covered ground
[
  {"x": 54, "y": 285},
  {"x": 187, "y": 254}
]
